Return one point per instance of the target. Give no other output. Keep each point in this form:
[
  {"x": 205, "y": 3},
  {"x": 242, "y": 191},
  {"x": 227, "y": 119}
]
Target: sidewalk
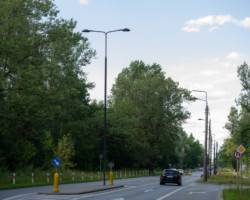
[{"x": 82, "y": 190}]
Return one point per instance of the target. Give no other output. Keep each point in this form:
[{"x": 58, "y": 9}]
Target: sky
[{"x": 199, "y": 44}]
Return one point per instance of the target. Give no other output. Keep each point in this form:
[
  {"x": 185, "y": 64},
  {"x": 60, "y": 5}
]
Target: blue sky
[{"x": 197, "y": 43}]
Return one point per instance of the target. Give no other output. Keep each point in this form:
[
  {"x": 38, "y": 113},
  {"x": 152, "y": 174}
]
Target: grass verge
[
  {"x": 225, "y": 176},
  {"x": 233, "y": 194},
  {"x": 23, "y": 178}
]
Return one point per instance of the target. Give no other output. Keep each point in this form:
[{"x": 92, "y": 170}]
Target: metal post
[
  {"x": 205, "y": 151},
  {"x": 105, "y": 94},
  {"x": 237, "y": 174},
  {"x": 206, "y": 133},
  {"x": 214, "y": 158},
  {"x": 105, "y": 112},
  {"x": 241, "y": 178},
  {"x": 210, "y": 148}
]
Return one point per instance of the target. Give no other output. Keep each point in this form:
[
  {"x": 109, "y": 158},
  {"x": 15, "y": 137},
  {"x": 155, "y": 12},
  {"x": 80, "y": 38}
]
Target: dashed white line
[{"x": 169, "y": 194}]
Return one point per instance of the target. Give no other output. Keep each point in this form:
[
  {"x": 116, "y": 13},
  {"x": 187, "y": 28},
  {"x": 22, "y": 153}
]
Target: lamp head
[
  {"x": 125, "y": 30},
  {"x": 86, "y": 30}
]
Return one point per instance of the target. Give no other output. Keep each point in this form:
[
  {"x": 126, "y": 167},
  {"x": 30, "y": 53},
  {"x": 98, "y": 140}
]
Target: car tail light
[
  {"x": 162, "y": 176},
  {"x": 176, "y": 176}
]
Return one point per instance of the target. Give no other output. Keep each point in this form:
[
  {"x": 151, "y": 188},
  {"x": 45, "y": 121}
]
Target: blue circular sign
[{"x": 56, "y": 162}]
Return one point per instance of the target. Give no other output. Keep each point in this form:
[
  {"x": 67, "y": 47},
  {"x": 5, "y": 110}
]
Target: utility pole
[
  {"x": 210, "y": 148},
  {"x": 205, "y": 153},
  {"x": 206, "y": 133}
]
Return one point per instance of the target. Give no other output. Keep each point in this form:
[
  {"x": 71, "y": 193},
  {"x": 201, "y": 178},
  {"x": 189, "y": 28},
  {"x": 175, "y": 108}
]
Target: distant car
[
  {"x": 170, "y": 176},
  {"x": 181, "y": 171},
  {"x": 201, "y": 169}
]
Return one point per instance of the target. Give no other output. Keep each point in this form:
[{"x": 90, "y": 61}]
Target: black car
[{"x": 170, "y": 176}]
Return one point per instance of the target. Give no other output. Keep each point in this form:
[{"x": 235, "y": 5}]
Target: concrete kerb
[{"x": 82, "y": 190}]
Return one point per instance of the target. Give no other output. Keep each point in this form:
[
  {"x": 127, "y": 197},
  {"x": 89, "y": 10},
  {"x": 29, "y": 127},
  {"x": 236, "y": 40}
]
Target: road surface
[{"x": 144, "y": 188}]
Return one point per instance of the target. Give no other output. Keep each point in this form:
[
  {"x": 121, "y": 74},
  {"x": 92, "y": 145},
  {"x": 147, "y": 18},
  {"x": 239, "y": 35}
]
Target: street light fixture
[
  {"x": 206, "y": 133},
  {"x": 105, "y": 93}
]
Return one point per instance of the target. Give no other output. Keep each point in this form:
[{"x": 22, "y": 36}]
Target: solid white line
[
  {"x": 127, "y": 187},
  {"x": 169, "y": 194},
  {"x": 91, "y": 195},
  {"x": 18, "y": 196}
]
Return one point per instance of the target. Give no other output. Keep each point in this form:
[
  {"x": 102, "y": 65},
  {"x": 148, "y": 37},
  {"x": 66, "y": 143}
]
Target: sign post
[
  {"x": 238, "y": 154},
  {"x": 56, "y": 162}
]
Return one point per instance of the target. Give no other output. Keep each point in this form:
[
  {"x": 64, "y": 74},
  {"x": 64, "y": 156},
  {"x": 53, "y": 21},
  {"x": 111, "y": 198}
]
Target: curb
[{"x": 84, "y": 190}]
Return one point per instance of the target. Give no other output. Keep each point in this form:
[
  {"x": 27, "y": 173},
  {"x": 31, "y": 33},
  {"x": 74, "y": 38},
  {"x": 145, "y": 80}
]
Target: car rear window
[{"x": 170, "y": 172}]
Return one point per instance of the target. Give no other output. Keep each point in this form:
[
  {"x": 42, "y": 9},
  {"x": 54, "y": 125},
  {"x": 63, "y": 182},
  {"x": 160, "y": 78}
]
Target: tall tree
[
  {"x": 244, "y": 75},
  {"x": 43, "y": 91},
  {"x": 142, "y": 93}
]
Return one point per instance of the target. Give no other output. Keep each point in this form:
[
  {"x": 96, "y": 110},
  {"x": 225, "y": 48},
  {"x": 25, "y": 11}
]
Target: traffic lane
[
  {"x": 197, "y": 191},
  {"x": 25, "y": 192},
  {"x": 34, "y": 190},
  {"x": 146, "y": 189},
  {"x": 151, "y": 186}
]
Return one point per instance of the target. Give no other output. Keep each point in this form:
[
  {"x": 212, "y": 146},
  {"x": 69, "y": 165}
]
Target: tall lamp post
[
  {"x": 105, "y": 93},
  {"x": 206, "y": 132},
  {"x": 214, "y": 154}
]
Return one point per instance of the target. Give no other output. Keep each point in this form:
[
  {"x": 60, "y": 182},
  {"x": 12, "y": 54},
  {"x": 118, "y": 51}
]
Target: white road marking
[
  {"x": 91, "y": 195},
  {"x": 149, "y": 190},
  {"x": 169, "y": 194},
  {"x": 18, "y": 196},
  {"x": 126, "y": 188},
  {"x": 196, "y": 193}
]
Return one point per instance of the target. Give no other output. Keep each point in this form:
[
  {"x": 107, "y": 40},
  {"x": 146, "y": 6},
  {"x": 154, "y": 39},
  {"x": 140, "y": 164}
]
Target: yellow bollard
[
  {"x": 111, "y": 178},
  {"x": 189, "y": 171},
  {"x": 56, "y": 182},
  {"x": 186, "y": 172}
]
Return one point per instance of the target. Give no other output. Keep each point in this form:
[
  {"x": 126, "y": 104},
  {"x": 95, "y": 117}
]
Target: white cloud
[
  {"x": 245, "y": 22},
  {"x": 191, "y": 29},
  {"x": 209, "y": 73},
  {"x": 84, "y": 2},
  {"x": 213, "y": 28},
  {"x": 194, "y": 25},
  {"x": 212, "y": 60},
  {"x": 233, "y": 55}
]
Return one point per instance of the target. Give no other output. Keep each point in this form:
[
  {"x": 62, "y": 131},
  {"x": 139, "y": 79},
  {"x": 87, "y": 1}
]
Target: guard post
[
  {"x": 111, "y": 165},
  {"x": 56, "y": 162}
]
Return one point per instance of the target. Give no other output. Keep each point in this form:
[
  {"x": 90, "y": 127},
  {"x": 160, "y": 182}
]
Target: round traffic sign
[
  {"x": 237, "y": 154},
  {"x": 56, "y": 162}
]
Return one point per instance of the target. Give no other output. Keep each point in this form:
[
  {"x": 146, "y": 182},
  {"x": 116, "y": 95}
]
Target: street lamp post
[
  {"x": 105, "y": 93},
  {"x": 214, "y": 154},
  {"x": 100, "y": 156},
  {"x": 206, "y": 131}
]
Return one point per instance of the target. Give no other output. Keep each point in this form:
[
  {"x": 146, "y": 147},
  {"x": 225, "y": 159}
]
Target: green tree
[
  {"x": 238, "y": 123},
  {"x": 154, "y": 103},
  {"x": 244, "y": 75},
  {"x": 193, "y": 153},
  {"x": 42, "y": 86},
  {"x": 65, "y": 151}
]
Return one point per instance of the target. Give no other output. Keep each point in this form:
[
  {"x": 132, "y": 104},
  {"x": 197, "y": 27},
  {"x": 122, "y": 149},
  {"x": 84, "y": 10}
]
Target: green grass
[
  {"x": 225, "y": 176},
  {"x": 23, "y": 178},
  {"x": 234, "y": 194}
]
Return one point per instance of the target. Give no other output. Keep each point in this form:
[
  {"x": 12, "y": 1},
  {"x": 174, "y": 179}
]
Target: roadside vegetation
[
  {"x": 46, "y": 111},
  {"x": 24, "y": 178},
  {"x": 226, "y": 176},
  {"x": 233, "y": 194}
]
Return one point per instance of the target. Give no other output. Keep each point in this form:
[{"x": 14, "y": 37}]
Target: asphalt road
[{"x": 145, "y": 188}]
